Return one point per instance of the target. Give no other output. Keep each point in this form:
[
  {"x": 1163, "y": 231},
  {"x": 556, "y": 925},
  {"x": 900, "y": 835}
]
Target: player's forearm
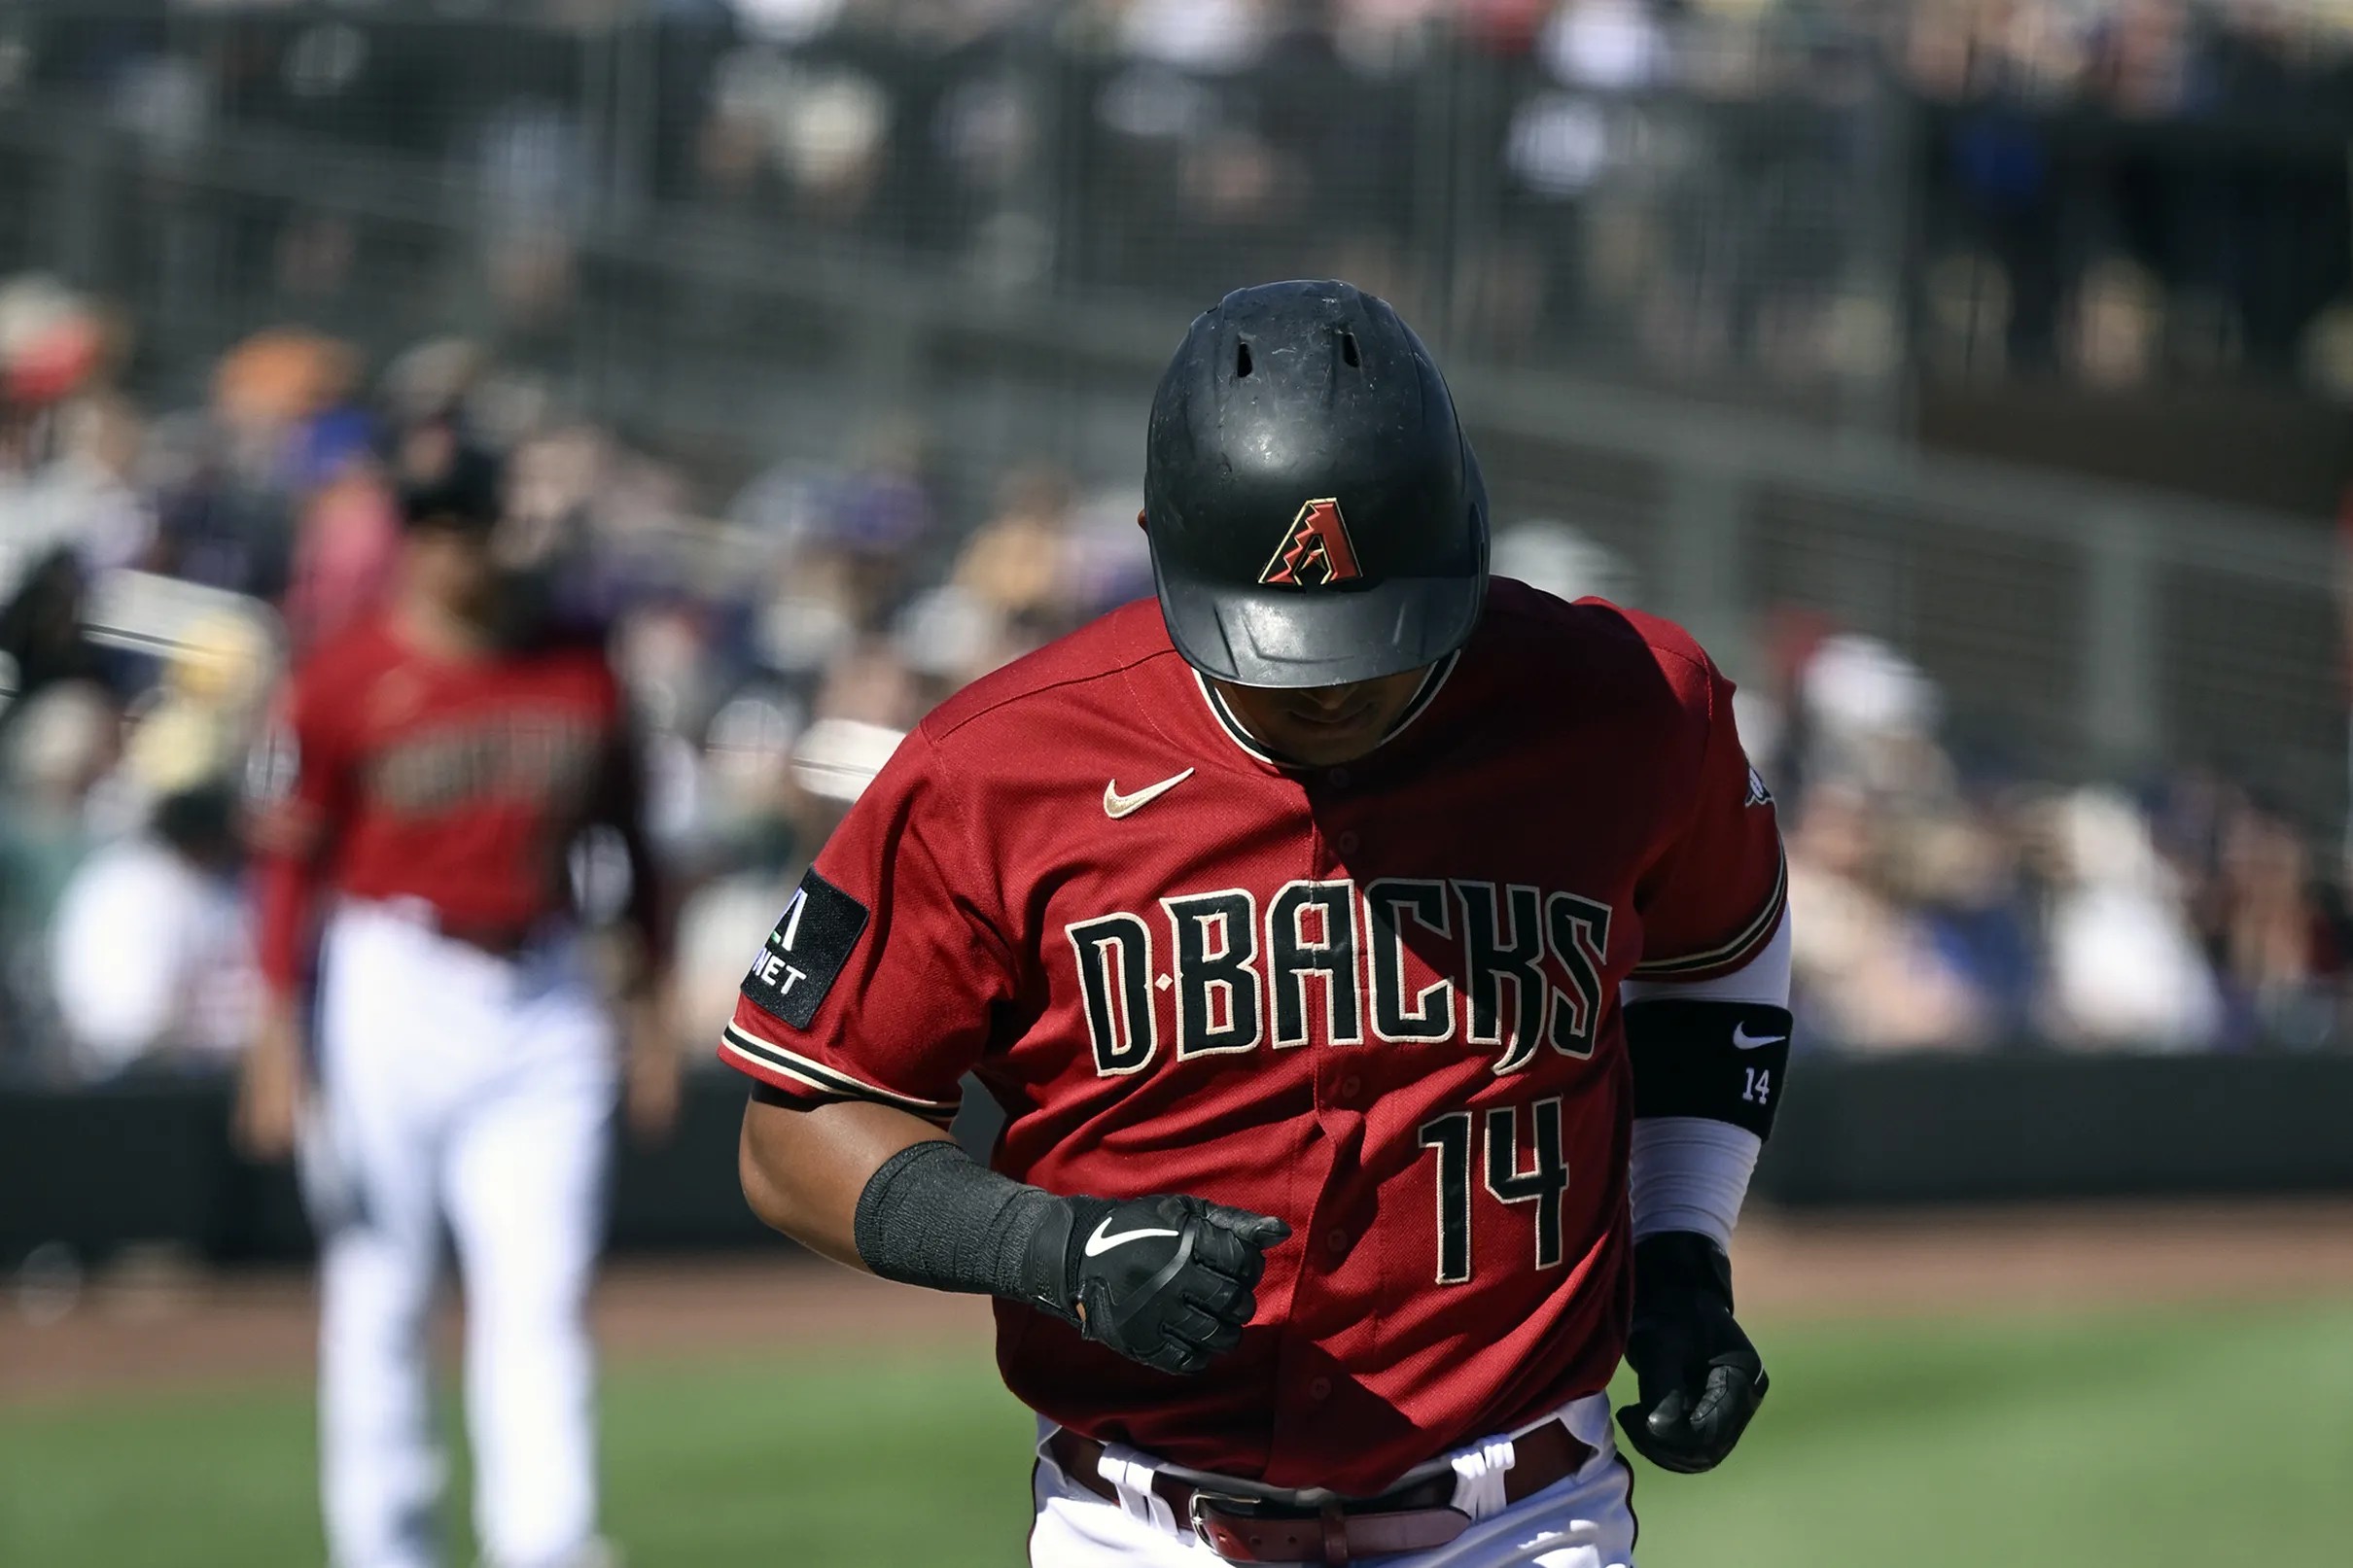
[
  {"x": 285, "y": 905},
  {"x": 884, "y": 1192},
  {"x": 649, "y": 914},
  {"x": 1164, "y": 1280},
  {"x": 804, "y": 1170}
]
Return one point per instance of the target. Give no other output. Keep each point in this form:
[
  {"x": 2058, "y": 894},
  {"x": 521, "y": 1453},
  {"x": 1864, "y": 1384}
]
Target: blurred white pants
[
  {"x": 456, "y": 1085},
  {"x": 1584, "y": 1522}
]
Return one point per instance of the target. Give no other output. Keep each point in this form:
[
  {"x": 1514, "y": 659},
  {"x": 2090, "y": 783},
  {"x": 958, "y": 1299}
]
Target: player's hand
[
  {"x": 650, "y": 1098},
  {"x": 1698, "y": 1377},
  {"x": 272, "y": 1087},
  {"x": 1166, "y": 1281}
]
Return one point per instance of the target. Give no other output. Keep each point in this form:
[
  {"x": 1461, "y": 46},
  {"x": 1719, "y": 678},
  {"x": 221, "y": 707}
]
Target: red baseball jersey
[
  {"x": 394, "y": 773},
  {"x": 1377, "y": 1000}
]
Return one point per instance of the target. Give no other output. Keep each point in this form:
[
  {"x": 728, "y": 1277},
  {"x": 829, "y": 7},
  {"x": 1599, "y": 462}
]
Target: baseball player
[
  {"x": 1383, "y": 973},
  {"x": 438, "y": 764}
]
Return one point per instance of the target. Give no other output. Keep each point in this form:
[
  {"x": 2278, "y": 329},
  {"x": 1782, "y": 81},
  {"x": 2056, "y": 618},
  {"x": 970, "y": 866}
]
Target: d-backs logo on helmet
[{"x": 1316, "y": 551}]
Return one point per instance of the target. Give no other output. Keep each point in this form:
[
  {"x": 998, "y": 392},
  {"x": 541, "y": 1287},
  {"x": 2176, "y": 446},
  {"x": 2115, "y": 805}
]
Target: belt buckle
[{"x": 1200, "y": 1501}]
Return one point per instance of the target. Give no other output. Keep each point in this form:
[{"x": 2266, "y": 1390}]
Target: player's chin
[{"x": 1326, "y": 745}]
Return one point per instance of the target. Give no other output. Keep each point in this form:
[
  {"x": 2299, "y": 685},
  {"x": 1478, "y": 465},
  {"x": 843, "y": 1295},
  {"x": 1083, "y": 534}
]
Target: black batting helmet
[{"x": 1315, "y": 514}]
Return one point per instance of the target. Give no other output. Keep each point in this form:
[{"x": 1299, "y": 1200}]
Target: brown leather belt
[
  {"x": 1416, "y": 1517},
  {"x": 500, "y": 939}
]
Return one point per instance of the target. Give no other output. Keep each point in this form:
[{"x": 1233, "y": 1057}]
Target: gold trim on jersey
[
  {"x": 826, "y": 1080},
  {"x": 1752, "y": 936}
]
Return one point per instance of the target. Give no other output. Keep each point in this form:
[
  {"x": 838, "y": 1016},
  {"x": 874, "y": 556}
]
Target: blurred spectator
[
  {"x": 2282, "y": 958},
  {"x": 1962, "y": 870},
  {"x": 83, "y": 496},
  {"x": 197, "y": 721},
  {"x": 1015, "y": 563},
  {"x": 1870, "y": 716},
  {"x": 1565, "y": 562},
  {"x": 2126, "y": 968},
  {"x": 231, "y": 520},
  {"x": 55, "y": 747},
  {"x": 347, "y": 535},
  {"x": 1608, "y": 44},
  {"x": 40, "y": 630},
  {"x": 842, "y": 543},
  {"x": 151, "y": 959},
  {"x": 59, "y": 744},
  {"x": 1867, "y": 973},
  {"x": 52, "y": 341},
  {"x": 1196, "y": 35},
  {"x": 536, "y": 181}
]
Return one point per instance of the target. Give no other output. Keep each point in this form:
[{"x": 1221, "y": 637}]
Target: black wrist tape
[
  {"x": 932, "y": 1217},
  {"x": 1723, "y": 1061}
]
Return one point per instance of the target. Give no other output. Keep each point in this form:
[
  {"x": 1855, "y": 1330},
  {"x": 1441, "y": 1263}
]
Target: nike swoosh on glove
[
  {"x": 1166, "y": 1281},
  {"x": 1698, "y": 1377}
]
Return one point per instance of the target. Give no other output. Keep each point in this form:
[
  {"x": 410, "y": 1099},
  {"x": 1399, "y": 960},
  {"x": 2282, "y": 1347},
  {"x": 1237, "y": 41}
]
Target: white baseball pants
[
  {"x": 1584, "y": 1522},
  {"x": 457, "y": 1086}
]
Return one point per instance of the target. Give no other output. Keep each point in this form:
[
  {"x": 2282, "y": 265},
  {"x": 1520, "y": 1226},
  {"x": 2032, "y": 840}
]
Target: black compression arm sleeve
[
  {"x": 1723, "y": 1061},
  {"x": 930, "y": 1216}
]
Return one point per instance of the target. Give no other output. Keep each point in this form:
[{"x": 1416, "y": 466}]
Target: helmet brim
[{"x": 1287, "y": 638}]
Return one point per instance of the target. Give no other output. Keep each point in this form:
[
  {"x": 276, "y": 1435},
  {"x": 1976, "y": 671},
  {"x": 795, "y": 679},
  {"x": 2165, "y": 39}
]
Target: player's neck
[{"x": 438, "y": 629}]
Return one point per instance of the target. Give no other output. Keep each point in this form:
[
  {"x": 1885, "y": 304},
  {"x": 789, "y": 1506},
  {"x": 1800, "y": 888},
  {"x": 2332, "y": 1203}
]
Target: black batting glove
[
  {"x": 1165, "y": 1280},
  {"x": 1700, "y": 1378}
]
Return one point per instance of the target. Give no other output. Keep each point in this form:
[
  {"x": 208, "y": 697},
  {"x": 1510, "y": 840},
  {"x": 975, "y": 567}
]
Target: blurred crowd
[
  {"x": 160, "y": 568},
  {"x": 1683, "y": 186},
  {"x": 1943, "y": 900},
  {"x": 1682, "y": 189},
  {"x": 2143, "y": 57}
]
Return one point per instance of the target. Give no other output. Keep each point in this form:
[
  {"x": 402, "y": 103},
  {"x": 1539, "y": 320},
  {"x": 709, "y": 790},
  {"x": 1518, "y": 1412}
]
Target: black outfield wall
[{"x": 151, "y": 1161}]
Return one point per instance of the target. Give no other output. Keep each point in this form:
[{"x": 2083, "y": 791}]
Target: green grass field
[{"x": 2158, "y": 1439}]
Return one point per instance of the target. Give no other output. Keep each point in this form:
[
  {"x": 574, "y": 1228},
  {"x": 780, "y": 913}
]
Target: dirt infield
[{"x": 149, "y": 1324}]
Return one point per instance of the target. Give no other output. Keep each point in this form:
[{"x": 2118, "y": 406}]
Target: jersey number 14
[{"x": 1451, "y": 1136}]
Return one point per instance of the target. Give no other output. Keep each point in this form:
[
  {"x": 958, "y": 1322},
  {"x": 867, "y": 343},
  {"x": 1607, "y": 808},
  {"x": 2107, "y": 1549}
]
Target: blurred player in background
[{"x": 445, "y": 773}]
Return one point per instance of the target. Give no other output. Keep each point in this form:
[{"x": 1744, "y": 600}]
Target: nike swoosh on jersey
[
  {"x": 1742, "y": 1040},
  {"x": 1117, "y": 805},
  {"x": 1103, "y": 1242}
]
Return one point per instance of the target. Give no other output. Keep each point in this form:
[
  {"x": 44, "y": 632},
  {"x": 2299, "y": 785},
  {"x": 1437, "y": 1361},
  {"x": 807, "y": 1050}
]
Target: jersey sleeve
[
  {"x": 1713, "y": 897},
  {"x": 298, "y": 793},
  {"x": 883, "y": 975}
]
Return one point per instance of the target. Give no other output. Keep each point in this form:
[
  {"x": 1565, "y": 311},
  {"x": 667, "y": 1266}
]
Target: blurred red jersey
[
  {"x": 1378, "y": 1002},
  {"x": 394, "y": 773}
]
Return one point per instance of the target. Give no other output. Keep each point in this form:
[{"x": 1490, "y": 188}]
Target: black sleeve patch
[
  {"x": 804, "y": 955},
  {"x": 1724, "y": 1060}
]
